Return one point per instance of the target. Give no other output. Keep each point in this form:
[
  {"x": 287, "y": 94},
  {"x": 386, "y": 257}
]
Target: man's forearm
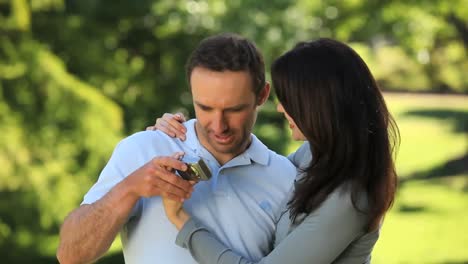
[{"x": 89, "y": 231}]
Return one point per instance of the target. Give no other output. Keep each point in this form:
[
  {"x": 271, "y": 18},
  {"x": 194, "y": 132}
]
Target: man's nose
[{"x": 219, "y": 123}]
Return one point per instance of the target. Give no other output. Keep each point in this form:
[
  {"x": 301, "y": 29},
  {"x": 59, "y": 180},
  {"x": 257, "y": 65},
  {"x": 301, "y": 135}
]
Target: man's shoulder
[
  {"x": 280, "y": 164},
  {"x": 278, "y": 158},
  {"x": 143, "y": 140},
  {"x": 145, "y": 137},
  {"x": 267, "y": 155}
]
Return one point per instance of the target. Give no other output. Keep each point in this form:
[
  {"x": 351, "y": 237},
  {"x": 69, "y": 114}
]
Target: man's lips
[{"x": 223, "y": 139}]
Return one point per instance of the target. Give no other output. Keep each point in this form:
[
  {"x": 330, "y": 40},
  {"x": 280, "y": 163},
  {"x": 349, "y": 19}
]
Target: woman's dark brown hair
[{"x": 328, "y": 90}]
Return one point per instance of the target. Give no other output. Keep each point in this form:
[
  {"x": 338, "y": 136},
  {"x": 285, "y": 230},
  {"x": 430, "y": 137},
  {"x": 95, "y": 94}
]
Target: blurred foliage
[{"x": 76, "y": 76}]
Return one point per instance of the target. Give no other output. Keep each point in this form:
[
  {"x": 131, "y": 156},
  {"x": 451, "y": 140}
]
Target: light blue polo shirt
[{"x": 239, "y": 203}]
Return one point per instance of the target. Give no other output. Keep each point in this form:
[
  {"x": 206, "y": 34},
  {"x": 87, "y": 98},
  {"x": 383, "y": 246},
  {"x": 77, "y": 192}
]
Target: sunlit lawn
[
  {"x": 429, "y": 221},
  {"x": 428, "y": 224}
]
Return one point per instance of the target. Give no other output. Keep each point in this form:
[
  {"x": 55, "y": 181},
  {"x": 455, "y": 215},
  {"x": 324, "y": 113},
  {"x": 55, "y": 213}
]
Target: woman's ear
[{"x": 263, "y": 94}]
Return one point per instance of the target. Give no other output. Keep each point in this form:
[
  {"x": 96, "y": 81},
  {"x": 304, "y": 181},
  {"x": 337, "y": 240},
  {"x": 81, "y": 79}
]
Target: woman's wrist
[{"x": 181, "y": 218}]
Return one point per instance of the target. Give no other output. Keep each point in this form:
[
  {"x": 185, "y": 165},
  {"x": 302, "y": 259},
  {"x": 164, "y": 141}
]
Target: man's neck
[{"x": 221, "y": 158}]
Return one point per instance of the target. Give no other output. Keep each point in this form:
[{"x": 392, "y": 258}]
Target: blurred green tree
[{"x": 57, "y": 131}]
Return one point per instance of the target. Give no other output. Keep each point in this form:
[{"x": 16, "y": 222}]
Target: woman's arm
[{"x": 320, "y": 238}]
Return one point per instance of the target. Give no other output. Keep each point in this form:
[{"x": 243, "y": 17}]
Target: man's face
[{"x": 225, "y": 107}]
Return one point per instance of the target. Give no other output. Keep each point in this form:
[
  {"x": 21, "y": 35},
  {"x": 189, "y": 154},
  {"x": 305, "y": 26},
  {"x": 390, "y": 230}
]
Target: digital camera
[{"x": 197, "y": 170}]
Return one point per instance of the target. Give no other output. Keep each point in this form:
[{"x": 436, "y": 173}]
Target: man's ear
[{"x": 263, "y": 94}]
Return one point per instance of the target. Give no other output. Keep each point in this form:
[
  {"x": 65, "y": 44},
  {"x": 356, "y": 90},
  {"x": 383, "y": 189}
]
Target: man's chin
[
  {"x": 231, "y": 149},
  {"x": 225, "y": 149}
]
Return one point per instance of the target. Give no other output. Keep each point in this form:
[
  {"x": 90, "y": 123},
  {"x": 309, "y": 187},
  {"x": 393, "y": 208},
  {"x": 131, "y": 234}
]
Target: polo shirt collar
[{"x": 256, "y": 152}]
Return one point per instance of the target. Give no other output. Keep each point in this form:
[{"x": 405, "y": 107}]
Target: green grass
[
  {"x": 429, "y": 220},
  {"x": 431, "y": 129},
  {"x": 428, "y": 224}
]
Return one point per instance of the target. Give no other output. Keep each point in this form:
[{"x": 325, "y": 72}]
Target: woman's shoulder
[
  {"x": 302, "y": 157},
  {"x": 341, "y": 207},
  {"x": 344, "y": 198}
]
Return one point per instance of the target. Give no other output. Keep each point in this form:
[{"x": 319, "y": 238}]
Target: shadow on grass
[
  {"x": 455, "y": 166},
  {"x": 29, "y": 259},
  {"x": 404, "y": 208},
  {"x": 452, "y": 167},
  {"x": 116, "y": 258},
  {"x": 455, "y": 262},
  {"x": 458, "y": 118}
]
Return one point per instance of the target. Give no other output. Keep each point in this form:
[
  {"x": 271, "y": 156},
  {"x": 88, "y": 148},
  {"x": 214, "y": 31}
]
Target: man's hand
[
  {"x": 157, "y": 178},
  {"x": 171, "y": 124}
]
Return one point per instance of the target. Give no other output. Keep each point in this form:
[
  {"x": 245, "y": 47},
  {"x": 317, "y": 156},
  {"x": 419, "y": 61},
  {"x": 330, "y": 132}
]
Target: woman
[{"x": 336, "y": 208}]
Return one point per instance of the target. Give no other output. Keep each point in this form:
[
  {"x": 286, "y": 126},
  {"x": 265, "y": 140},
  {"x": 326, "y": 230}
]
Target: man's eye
[
  {"x": 204, "y": 108},
  {"x": 235, "y": 110}
]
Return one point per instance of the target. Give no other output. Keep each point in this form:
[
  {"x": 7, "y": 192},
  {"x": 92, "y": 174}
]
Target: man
[{"x": 239, "y": 203}]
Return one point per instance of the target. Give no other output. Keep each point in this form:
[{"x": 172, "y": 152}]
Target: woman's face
[{"x": 296, "y": 132}]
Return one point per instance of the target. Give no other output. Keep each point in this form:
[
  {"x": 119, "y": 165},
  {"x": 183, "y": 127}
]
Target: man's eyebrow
[
  {"x": 202, "y": 105},
  {"x": 235, "y": 107}
]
